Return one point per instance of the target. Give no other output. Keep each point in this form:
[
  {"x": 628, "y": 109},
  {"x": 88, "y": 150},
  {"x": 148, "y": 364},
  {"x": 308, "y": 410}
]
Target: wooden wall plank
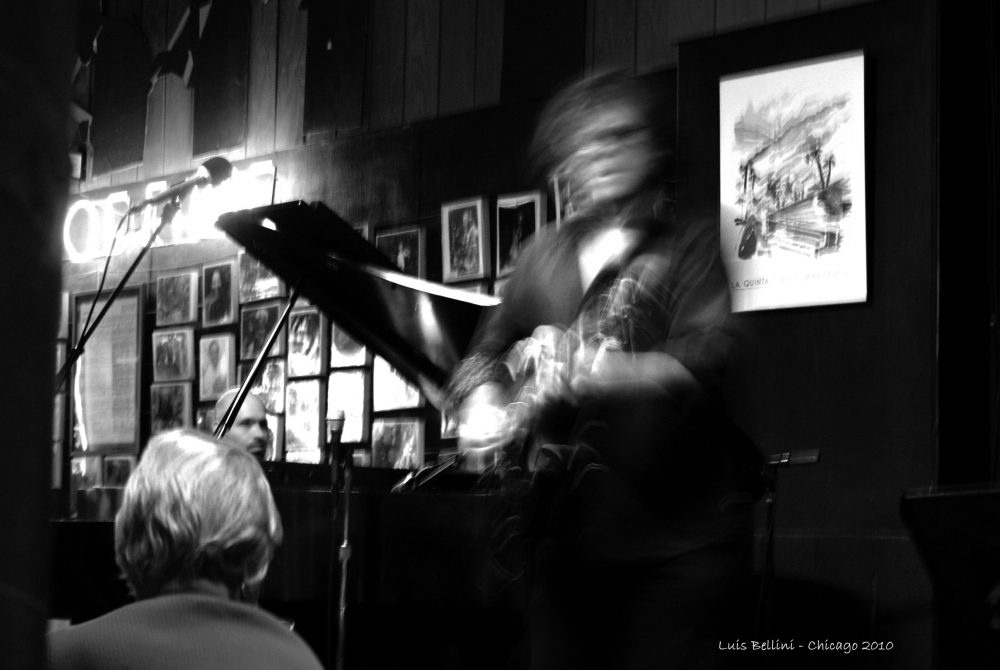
[
  {"x": 387, "y": 64},
  {"x": 178, "y": 126},
  {"x": 423, "y": 22},
  {"x": 737, "y": 14},
  {"x": 614, "y": 35},
  {"x": 588, "y": 40},
  {"x": 152, "y": 154},
  {"x": 780, "y": 10},
  {"x": 290, "y": 86},
  {"x": 653, "y": 50},
  {"x": 489, "y": 51},
  {"x": 125, "y": 177},
  {"x": 688, "y": 19},
  {"x": 458, "y": 56},
  {"x": 825, "y": 5},
  {"x": 337, "y": 43},
  {"x": 263, "y": 78}
]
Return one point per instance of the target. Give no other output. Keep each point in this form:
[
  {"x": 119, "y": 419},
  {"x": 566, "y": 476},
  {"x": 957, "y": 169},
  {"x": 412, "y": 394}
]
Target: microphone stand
[
  {"x": 769, "y": 472},
  {"x": 338, "y": 454}
]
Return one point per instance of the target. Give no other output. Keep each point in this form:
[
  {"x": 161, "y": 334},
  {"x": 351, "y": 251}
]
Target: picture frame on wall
[
  {"x": 269, "y": 385},
  {"x": 792, "y": 183},
  {"x": 465, "y": 240},
  {"x": 177, "y": 299},
  {"x": 219, "y": 298},
  {"x": 169, "y": 406},
  {"x": 398, "y": 443},
  {"x": 305, "y": 342},
  {"x": 518, "y": 217},
  {"x": 303, "y": 429},
  {"x": 217, "y": 354},
  {"x": 256, "y": 281},
  {"x": 404, "y": 246},
  {"x": 256, "y": 324},
  {"x": 173, "y": 354},
  {"x": 345, "y": 351},
  {"x": 117, "y": 470},
  {"x": 108, "y": 377}
]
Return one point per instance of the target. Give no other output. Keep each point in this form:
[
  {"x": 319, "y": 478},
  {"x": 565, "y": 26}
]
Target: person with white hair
[{"x": 193, "y": 538}]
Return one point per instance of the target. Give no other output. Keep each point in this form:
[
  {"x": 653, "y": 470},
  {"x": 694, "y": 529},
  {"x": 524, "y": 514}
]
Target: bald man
[{"x": 249, "y": 431}]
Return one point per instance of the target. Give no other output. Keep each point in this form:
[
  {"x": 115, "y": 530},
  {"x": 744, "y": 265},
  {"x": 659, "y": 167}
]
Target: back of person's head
[{"x": 196, "y": 509}]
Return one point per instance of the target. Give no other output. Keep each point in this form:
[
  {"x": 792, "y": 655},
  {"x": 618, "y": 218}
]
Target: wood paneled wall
[{"x": 425, "y": 59}]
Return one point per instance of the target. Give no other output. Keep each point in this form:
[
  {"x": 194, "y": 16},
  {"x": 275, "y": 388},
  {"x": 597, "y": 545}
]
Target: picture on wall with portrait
[
  {"x": 518, "y": 217},
  {"x": 219, "y": 302},
  {"x": 173, "y": 354},
  {"x": 170, "y": 407},
  {"x": 218, "y": 365},
  {"x": 305, "y": 342},
  {"x": 465, "y": 240},
  {"x": 176, "y": 299},
  {"x": 256, "y": 281},
  {"x": 256, "y": 324}
]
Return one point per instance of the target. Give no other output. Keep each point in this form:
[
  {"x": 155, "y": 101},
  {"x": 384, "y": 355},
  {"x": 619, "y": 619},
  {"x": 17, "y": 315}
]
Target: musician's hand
[{"x": 617, "y": 372}]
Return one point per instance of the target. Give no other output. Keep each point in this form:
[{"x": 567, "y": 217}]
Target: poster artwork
[{"x": 792, "y": 184}]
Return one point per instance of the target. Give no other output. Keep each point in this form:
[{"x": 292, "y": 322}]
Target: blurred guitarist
[{"x": 599, "y": 378}]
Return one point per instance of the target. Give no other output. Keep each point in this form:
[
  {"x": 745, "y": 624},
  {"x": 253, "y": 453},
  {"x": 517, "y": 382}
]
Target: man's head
[
  {"x": 196, "y": 509},
  {"x": 249, "y": 431},
  {"x": 602, "y": 137}
]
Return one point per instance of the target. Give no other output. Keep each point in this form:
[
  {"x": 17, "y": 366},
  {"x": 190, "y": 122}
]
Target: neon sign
[{"x": 90, "y": 225}]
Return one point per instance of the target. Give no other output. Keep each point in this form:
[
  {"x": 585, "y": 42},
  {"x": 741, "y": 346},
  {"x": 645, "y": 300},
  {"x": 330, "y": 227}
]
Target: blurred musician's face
[
  {"x": 613, "y": 156},
  {"x": 249, "y": 431}
]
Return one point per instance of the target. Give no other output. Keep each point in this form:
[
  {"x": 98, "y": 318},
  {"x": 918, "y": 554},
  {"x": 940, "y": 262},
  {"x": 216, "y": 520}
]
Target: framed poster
[
  {"x": 170, "y": 407},
  {"x": 218, "y": 365},
  {"x": 398, "y": 443},
  {"x": 117, "y": 470},
  {"x": 173, "y": 354},
  {"x": 269, "y": 385},
  {"x": 517, "y": 218},
  {"x": 465, "y": 240},
  {"x": 177, "y": 299},
  {"x": 256, "y": 281},
  {"x": 256, "y": 324},
  {"x": 792, "y": 183},
  {"x": 218, "y": 299},
  {"x": 390, "y": 390},
  {"x": 345, "y": 392},
  {"x": 345, "y": 352},
  {"x": 108, "y": 376},
  {"x": 303, "y": 432},
  {"x": 404, "y": 246},
  {"x": 305, "y": 342}
]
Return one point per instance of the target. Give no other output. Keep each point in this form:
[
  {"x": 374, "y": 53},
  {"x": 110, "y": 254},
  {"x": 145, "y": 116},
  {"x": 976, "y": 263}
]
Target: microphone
[{"x": 214, "y": 171}]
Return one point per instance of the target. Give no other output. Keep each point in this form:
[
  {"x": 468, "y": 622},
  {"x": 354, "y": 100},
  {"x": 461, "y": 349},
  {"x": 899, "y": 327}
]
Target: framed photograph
[
  {"x": 465, "y": 240},
  {"x": 345, "y": 352},
  {"x": 275, "y": 437},
  {"x": 269, "y": 385},
  {"x": 305, "y": 342},
  {"x": 256, "y": 324},
  {"x": 518, "y": 217},
  {"x": 117, "y": 470},
  {"x": 108, "y": 376},
  {"x": 218, "y": 298},
  {"x": 169, "y": 406},
  {"x": 404, "y": 246},
  {"x": 256, "y": 281},
  {"x": 173, "y": 354},
  {"x": 86, "y": 472},
  {"x": 61, "y": 349},
  {"x": 345, "y": 391},
  {"x": 390, "y": 390},
  {"x": 398, "y": 443},
  {"x": 63, "y": 332},
  {"x": 361, "y": 229},
  {"x": 792, "y": 183},
  {"x": 303, "y": 428},
  {"x": 218, "y": 365},
  {"x": 59, "y": 416},
  {"x": 204, "y": 419},
  {"x": 177, "y": 299}
]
